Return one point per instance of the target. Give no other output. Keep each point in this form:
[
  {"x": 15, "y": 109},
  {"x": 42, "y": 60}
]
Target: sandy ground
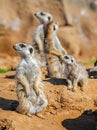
[{"x": 66, "y": 110}]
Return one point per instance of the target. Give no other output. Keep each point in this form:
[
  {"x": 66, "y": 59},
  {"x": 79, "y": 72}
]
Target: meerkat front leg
[
  {"x": 64, "y": 51},
  {"x": 40, "y": 45},
  {"x": 37, "y": 86},
  {"x": 75, "y": 81},
  {"x": 69, "y": 84},
  {"x": 55, "y": 52},
  {"x": 21, "y": 78},
  {"x": 82, "y": 84}
]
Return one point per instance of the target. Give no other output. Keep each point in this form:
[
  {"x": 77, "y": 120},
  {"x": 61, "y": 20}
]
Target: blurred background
[{"x": 77, "y": 31}]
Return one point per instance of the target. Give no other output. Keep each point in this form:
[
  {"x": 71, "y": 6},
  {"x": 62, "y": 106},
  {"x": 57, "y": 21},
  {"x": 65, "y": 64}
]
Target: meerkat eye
[
  {"x": 22, "y": 45},
  {"x": 66, "y": 57},
  {"x": 31, "y": 50},
  {"x": 49, "y": 18},
  {"x": 72, "y": 61},
  {"x": 41, "y": 13}
]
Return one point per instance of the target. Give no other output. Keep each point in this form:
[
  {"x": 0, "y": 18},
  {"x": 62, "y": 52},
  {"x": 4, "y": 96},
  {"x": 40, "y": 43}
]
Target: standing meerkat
[
  {"x": 75, "y": 73},
  {"x": 54, "y": 50},
  {"x": 29, "y": 83},
  {"x": 38, "y": 38}
]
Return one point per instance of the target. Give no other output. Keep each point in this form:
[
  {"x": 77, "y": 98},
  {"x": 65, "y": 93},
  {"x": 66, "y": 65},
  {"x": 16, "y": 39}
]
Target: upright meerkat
[
  {"x": 53, "y": 50},
  {"x": 38, "y": 38},
  {"x": 75, "y": 73},
  {"x": 29, "y": 83}
]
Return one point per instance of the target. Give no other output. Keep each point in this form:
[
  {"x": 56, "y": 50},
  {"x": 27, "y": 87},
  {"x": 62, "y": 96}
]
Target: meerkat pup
[
  {"x": 29, "y": 83},
  {"x": 38, "y": 38},
  {"x": 75, "y": 73},
  {"x": 54, "y": 50}
]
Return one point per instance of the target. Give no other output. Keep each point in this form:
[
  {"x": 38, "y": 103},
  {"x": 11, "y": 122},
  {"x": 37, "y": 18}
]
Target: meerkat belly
[
  {"x": 73, "y": 75},
  {"x": 57, "y": 44},
  {"x": 31, "y": 73}
]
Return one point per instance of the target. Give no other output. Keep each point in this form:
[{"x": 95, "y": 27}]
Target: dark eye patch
[
  {"x": 49, "y": 18},
  {"x": 66, "y": 57},
  {"x": 31, "y": 50},
  {"x": 72, "y": 61},
  {"x": 22, "y": 45},
  {"x": 41, "y": 13}
]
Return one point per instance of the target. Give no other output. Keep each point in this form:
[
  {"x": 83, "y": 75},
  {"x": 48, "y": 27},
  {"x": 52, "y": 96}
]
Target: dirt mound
[{"x": 67, "y": 100}]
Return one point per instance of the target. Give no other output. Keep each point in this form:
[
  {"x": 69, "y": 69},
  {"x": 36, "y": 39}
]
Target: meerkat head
[
  {"x": 68, "y": 59},
  {"x": 23, "y": 49},
  {"x": 44, "y": 17},
  {"x": 52, "y": 27}
]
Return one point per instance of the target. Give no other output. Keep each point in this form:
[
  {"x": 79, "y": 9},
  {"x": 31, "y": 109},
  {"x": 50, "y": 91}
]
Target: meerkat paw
[
  {"x": 40, "y": 115},
  {"x": 27, "y": 93},
  {"x": 28, "y": 114},
  {"x": 69, "y": 87},
  {"x": 82, "y": 88},
  {"x": 73, "y": 89}
]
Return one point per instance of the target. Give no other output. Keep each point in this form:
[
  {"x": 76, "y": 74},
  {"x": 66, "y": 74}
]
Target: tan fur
[
  {"x": 54, "y": 50},
  {"x": 29, "y": 82}
]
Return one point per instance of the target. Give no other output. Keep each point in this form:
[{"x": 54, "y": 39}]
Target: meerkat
[
  {"x": 29, "y": 86},
  {"x": 75, "y": 73},
  {"x": 54, "y": 50},
  {"x": 38, "y": 38}
]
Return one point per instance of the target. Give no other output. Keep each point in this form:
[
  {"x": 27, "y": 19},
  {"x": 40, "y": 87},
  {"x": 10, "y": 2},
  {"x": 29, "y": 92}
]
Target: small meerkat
[
  {"x": 29, "y": 82},
  {"x": 54, "y": 50},
  {"x": 38, "y": 38},
  {"x": 75, "y": 73}
]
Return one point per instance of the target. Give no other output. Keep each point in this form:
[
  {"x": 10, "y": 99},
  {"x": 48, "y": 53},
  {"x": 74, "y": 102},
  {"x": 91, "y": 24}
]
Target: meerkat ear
[{"x": 31, "y": 50}]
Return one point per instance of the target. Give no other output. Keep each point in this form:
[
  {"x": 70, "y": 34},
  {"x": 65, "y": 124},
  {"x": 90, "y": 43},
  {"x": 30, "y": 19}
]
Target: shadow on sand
[
  {"x": 87, "y": 121},
  {"x": 10, "y": 76},
  {"x": 56, "y": 81},
  {"x": 7, "y": 104}
]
